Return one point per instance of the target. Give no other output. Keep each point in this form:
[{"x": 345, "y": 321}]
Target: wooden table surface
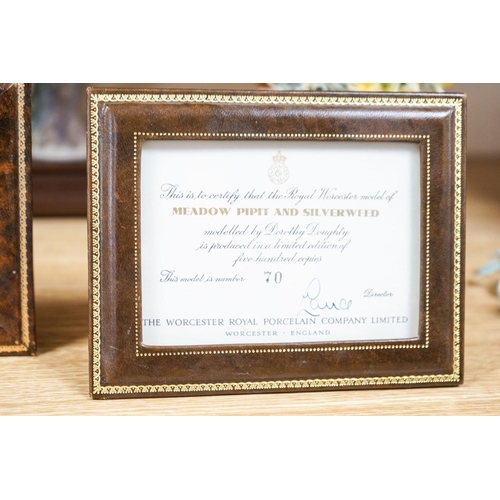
[{"x": 56, "y": 381}]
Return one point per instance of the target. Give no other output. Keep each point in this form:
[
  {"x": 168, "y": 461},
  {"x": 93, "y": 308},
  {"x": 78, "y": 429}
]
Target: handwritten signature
[{"x": 312, "y": 304}]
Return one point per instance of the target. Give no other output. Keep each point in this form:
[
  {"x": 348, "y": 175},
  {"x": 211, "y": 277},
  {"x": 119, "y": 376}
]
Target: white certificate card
[{"x": 265, "y": 242}]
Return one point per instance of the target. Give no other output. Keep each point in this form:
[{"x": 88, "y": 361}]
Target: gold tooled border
[
  {"x": 228, "y": 350},
  {"x": 376, "y": 100},
  {"x": 23, "y": 224}
]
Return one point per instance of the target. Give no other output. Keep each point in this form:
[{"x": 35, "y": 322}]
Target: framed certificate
[
  {"x": 272, "y": 241},
  {"x": 17, "y": 335}
]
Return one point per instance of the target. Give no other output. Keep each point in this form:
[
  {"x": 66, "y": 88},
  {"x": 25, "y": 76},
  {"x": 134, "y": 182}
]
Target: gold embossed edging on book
[{"x": 25, "y": 343}]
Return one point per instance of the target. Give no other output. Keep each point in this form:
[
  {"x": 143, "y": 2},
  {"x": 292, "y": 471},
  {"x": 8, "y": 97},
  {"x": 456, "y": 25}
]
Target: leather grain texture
[
  {"x": 121, "y": 368},
  {"x": 17, "y": 332}
]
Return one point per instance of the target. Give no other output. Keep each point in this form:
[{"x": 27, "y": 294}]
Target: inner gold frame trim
[
  {"x": 175, "y": 351},
  {"x": 23, "y": 224},
  {"x": 95, "y": 235}
]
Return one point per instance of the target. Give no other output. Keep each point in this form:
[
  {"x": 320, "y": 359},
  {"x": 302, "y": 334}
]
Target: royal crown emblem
[{"x": 278, "y": 172}]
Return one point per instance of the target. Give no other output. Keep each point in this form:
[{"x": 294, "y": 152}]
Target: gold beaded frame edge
[
  {"x": 378, "y": 346},
  {"x": 24, "y": 346},
  {"x": 94, "y": 237}
]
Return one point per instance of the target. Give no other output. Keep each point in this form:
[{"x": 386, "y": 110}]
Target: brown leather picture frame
[
  {"x": 17, "y": 332},
  {"x": 120, "y": 120}
]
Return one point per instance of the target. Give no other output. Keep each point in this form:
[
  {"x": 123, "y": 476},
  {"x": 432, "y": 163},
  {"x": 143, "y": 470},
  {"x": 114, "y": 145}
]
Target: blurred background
[{"x": 59, "y": 133}]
